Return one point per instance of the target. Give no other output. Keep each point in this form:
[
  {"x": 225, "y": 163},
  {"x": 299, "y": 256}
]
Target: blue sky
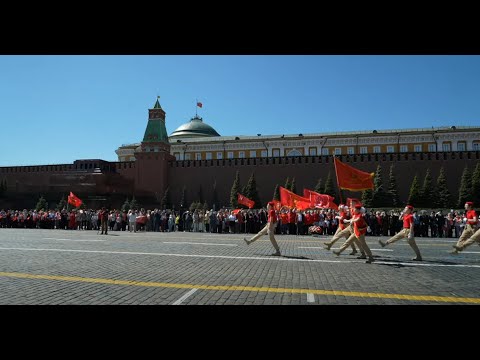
[{"x": 57, "y": 109}]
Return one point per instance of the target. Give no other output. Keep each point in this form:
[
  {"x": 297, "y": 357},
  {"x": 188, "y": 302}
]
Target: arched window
[{"x": 294, "y": 153}]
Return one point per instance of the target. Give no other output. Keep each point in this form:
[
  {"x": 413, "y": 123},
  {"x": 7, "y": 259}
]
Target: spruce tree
[
  {"x": 465, "y": 192},
  {"x": 166, "y": 201},
  {"x": 293, "y": 186},
  {"x": 427, "y": 199},
  {"x": 205, "y": 206},
  {"x": 287, "y": 184},
  {"x": 414, "y": 194},
  {"x": 276, "y": 193},
  {"x": 62, "y": 204},
  {"x": 2, "y": 190},
  {"x": 134, "y": 204},
  {"x": 367, "y": 198},
  {"x": 318, "y": 187},
  {"x": 476, "y": 186},
  {"x": 194, "y": 205},
  {"x": 183, "y": 199},
  {"x": 200, "y": 194},
  {"x": 41, "y": 204},
  {"x": 234, "y": 191},
  {"x": 126, "y": 205},
  {"x": 215, "y": 195},
  {"x": 442, "y": 194},
  {"x": 251, "y": 191},
  {"x": 329, "y": 187},
  {"x": 392, "y": 188},
  {"x": 379, "y": 198}
]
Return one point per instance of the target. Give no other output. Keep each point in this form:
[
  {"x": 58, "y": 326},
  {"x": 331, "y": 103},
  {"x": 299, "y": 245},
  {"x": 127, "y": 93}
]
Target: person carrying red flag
[
  {"x": 359, "y": 231},
  {"x": 270, "y": 228},
  {"x": 344, "y": 230}
]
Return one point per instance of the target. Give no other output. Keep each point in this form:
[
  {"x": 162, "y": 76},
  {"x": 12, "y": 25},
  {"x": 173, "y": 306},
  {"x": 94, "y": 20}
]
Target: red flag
[
  {"x": 245, "y": 201},
  {"x": 352, "y": 179},
  {"x": 277, "y": 205},
  {"x": 236, "y": 211},
  {"x": 199, "y": 104},
  {"x": 292, "y": 200},
  {"x": 73, "y": 200},
  {"x": 322, "y": 201}
]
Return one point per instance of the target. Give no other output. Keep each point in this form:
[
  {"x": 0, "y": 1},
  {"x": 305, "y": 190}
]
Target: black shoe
[
  {"x": 328, "y": 245},
  {"x": 336, "y": 252},
  {"x": 417, "y": 259},
  {"x": 353, "y": 252},
  {"x": 369, "y": 261},
  {"x": 362, "y": 257},
  {"x": 277, "y": 253},
  {"x": 245, "y": 239},
  {"x": 382, "y": 243}
]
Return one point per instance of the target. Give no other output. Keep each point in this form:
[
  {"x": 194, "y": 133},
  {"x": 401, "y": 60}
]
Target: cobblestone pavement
[{"x": 81, "y": 267}]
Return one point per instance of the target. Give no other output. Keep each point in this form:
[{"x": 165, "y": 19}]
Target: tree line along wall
[{"x": 194, "y": 174}]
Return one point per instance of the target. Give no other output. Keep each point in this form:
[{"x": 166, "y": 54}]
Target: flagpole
[
  {"x": 336, "y": 175},
  {"x": 196, "y": 106}
]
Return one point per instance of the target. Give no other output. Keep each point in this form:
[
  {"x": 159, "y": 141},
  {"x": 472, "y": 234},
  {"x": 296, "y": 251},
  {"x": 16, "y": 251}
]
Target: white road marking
[
  {"x": 319, "y": 247},
  {"x": 310, "y": 297},
  {"x": 69, "y": 239},
  {"x": 275, "y": 258},
  {"x": 470, "y": 252},
  {"x": 195, "y": 243},
  {"x": 184, "y": 297}
]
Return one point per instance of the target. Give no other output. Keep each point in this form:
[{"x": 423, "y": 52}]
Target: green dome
[{"x": 194, "y": 128}]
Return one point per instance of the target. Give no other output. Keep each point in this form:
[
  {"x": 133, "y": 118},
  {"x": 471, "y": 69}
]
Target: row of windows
[
  {"x": 82, "y": 166},
  {"x": 326, "y": 151},
  {"x": 327, "y": 159}
]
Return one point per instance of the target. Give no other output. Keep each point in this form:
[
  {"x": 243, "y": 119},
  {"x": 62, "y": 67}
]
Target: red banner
[
  {"x": 352, "y": 179},
  {"x": 322, "y": 201},
  {"x": 245, "y": 201},
  {"x": 74, "y": 200},
  {"x": 291, "y": 200}
]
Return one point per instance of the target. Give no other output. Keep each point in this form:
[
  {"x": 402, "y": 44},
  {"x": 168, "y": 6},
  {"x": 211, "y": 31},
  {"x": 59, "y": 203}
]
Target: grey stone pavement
[{"x": 81, "y": 267}]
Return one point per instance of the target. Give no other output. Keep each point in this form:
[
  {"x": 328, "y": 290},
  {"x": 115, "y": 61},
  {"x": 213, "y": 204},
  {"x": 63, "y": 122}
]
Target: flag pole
[
  {"x": 196, "y": 103},
  {"x": 336, "y": 175}
]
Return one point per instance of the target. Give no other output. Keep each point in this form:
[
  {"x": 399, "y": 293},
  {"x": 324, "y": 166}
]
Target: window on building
[
  {"x": 294, "y": 152},
  {"x": 446, "y": 146},
  {"x": 350, "y": 150},
  {"x": 476, "y": 146},
  {"x": 403, "y": 148},
  {"x": 417, "y": 148},
  {"x": 241, "y": 154},
  {"x": 376, "y": 149},
  {"x": 461, "y": 146},
  {"x": 390, "y": 149},
  {"x": 276, "y": 152},
  {"x": 230, "y": 155},
  {"x": 187, "y": 157},
  {"x": 363, "y": 150},
  {"x": 253, "y": 154},
  {"x": 198, "y": 156},
  {"x": 312, "y": 151},
  {"x": 177, "y": 156},
  {"x": 431, "y": 147},
  {"x": 208, "y": 156},
  {"x": 338, "y": 151},
  {"x": 219, "y": 155},
  {"x": 325, "y": 151},
  {"x": 264, "y": 153}
]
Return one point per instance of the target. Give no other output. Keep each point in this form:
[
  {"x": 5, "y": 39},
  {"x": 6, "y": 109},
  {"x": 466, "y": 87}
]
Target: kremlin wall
[{"x": 195, "y": 156}]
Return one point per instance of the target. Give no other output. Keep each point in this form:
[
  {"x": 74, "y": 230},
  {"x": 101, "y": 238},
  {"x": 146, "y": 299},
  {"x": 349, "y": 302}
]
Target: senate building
[{"x": 195, "y": 157}]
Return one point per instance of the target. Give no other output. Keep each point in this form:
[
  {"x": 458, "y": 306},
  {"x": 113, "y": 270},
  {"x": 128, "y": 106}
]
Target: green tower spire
[{"x": 156, "y": 131}]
